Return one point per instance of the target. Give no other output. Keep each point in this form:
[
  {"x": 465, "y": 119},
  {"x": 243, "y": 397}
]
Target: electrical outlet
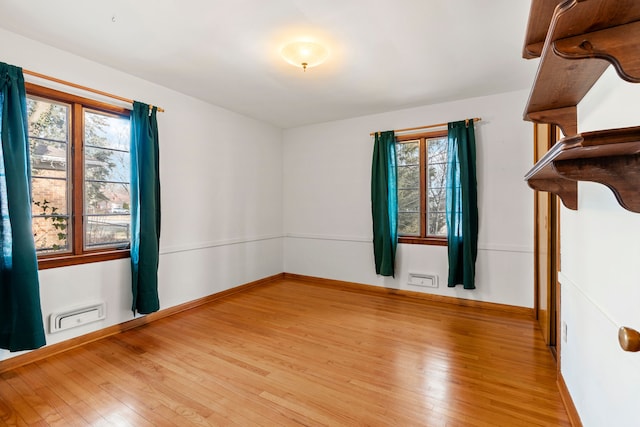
[{"x": 564, "y": 331}]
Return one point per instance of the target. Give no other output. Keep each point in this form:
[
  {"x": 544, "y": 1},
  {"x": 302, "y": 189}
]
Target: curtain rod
[
  {"x": 77, "y": 86},
  {"x": 475, "y": 119}
]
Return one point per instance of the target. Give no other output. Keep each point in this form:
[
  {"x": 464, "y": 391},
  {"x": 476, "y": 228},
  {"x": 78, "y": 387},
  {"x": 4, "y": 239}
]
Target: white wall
[
  {"x": 327, "y": 208},
  {"x": 221, "y": 178},
  {"x": 601, "y": 278}
]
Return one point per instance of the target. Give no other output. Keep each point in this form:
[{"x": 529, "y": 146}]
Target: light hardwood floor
[{"x": 297, "y": 353}]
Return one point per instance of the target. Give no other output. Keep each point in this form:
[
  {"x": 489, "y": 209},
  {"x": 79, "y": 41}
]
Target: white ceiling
[{"x": 385, "y": 55}]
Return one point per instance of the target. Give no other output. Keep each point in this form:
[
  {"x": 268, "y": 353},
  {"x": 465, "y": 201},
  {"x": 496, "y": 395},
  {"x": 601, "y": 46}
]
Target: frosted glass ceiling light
[{"x": 304, "y": 54}]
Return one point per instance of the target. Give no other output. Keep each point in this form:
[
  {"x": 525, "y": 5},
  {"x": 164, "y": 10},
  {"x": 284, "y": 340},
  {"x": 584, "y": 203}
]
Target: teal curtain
[
  {"x": 462, "y": 204},
  {"x": 145, "y": 208},
  {"x": 21, "y": 326},
  {"x": 384, "y": 203}
]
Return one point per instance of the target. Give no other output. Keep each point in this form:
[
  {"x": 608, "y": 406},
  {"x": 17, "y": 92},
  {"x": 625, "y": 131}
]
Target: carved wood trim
[
  {"x": 610, "y": 157},
  {"x": 617, "y": 45},
  {"x": 565, "y": 118},
  {"x": 620, "y": 173},
  {"x": 564, "y": 188}
]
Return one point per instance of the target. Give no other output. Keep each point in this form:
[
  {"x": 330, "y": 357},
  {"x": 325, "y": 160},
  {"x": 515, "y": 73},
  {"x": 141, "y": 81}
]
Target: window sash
[
  {"x": 427, "y": 214},
  {"x": 102, "y": 227},
  {"x": 79, "y": 252},
  {"x": 50, "y": 170}
]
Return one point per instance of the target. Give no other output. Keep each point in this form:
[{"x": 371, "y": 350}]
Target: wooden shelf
[
  {"x": 610, "y": 157},
  {"x": 583, "y": 38},
  {"x": 576, "y": 41},
  {"x": 540, "y": 16}
]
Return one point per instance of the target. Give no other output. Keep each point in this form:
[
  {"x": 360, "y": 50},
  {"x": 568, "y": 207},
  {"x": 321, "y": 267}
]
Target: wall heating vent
[
  {"x": 423, "y": 280},
  {"x": 77, "y": 317}
]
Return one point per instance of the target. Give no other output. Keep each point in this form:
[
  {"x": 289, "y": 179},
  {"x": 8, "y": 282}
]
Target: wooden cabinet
[{"x": 576, "y": 41}]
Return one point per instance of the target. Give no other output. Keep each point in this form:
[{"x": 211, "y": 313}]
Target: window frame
[
  {"x": 424, "y": 238},
  {"x": 78, "y": 254}
]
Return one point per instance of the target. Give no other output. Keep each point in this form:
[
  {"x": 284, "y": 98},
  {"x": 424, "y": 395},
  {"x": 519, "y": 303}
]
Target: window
[
  {"x": 422, "y": 171},
  {"x": 80, "y": 178}
]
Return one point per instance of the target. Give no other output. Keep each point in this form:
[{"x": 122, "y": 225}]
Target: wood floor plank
[
  {"x": 298, "y": 353},
  {"x": 188, "y": 377},
  {"x": 17, "y": 403},
  {"x": 41, "y": 406}
]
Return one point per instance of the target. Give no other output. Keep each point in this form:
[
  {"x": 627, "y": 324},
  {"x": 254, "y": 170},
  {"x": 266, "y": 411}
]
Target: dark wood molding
[
  {"x": 433, "y": 241},
  {"x": 379, "y": 290},
  {"x": 572, "y": 412},
  {"x": 53, "y": 349},
  {"x": 76, "y": 176},
  {"x": 63, "y": 260},
  {"x": 45, "y": 92}
]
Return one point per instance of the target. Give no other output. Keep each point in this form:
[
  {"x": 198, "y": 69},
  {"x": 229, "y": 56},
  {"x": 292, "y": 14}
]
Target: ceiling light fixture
[{"x": 304, "y": 54}]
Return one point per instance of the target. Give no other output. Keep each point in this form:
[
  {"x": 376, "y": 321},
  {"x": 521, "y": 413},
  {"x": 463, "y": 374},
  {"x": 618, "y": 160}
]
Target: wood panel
[
  {"x": 543, "y": 253},
  {"x": 546, "y": 241},
  {"x": 294, "y": 352}
]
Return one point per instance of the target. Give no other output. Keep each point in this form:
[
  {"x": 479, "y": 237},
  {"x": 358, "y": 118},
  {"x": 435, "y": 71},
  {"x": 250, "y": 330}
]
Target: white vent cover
[
  {"x": 77, "y": 317},
  {"x": 423, "y": 280}
]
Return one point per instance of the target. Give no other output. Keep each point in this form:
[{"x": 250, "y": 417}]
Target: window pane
[
  {"x": 106, "y": 165},
  {"x": 49, "y": 151},
  {"x": 409, "y": 200},
  {"x": 437, "y": 150},
  {"x": 47, "y": 120},
  {"x": 408, "y": 177},
  {"x": 437, "y": 174},
  {"x": 436, "y": 185},
  {"x": 409, "y": 223},
  {"x": 108, "y": 131},
  {"x": 106, "y": 198},
  {"x": 437, "y": 224},
  {"x": 51, "y": 234},
  {"x": 48, "y": 158},
  {"x": 106, "y": 180},
  {"x": 437, "y": 199},
  {"x": 408, "y": 153},
  {"x": 48, "y": 196},
  {"x": 107, "y": 230},
  {"x": 49, "y": 209}
]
